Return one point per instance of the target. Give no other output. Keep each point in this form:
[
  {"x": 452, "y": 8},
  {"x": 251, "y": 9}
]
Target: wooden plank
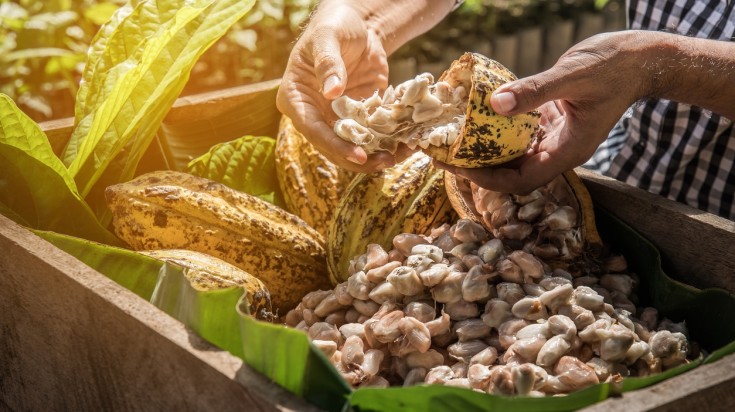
[
  {"x": 74, "y": 340},
  {"x": 58, "y": 132},
  {"x": 212, "y": 104},
  {"x": 697, "y": 248},
  {"x": 196, "y": 123},
  {"x": 706, "y": 388}
]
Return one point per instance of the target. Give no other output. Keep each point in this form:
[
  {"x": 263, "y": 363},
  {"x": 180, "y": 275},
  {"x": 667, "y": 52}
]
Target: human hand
[
  {"x": 580, "y": 100},
  {"x": 337, "y": 54}
]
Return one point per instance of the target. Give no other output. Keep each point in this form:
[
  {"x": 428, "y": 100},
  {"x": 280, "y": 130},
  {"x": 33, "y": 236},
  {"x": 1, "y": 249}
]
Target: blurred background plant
[
  {"x": 43, "y": 44},
  {"x": 255, "y": 49},
  {"x": 527, "y": 36},
  {"x": 42, "y": 51}
]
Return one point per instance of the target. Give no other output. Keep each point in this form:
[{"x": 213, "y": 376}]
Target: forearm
[
  {"x": 697, "y": 71},
  {"x": 397, "y": 22}
]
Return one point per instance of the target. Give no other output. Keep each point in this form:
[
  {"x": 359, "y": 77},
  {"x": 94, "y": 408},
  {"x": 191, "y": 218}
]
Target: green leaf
[
  {"x": 247, "y": 164},
  {"x": 62, "y": 64},
  {"x": 35, "y": 185},
  {"x": 285, "y": 356},
  {"x": 146, "y": 58},
  {"x": 127, "y": 29},
  {"x": 10, "y": 214},
  {"x": 133, "y": 271},
  {"x": 212, "y": 314},
  {"x": 447, "y": 399}
]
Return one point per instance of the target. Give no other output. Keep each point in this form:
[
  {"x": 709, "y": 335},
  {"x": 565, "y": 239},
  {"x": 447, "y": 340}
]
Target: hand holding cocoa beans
[{"x": 343, "y": 51}]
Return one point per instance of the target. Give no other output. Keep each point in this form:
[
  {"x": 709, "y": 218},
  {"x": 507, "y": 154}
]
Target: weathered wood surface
[
  {"x": 195, "y": 123},
  {"x": 58, "y": 132},
  {"x": 707, "y": 388},
  {"x": 73, "y": 340},
  {"x": 697, "y": 248}
]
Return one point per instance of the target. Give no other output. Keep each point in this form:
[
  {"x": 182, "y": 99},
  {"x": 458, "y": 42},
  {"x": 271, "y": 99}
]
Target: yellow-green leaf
[
  {"x": 35, "y": 187},
  {"x": 132, "y": 85},
  {"x": 100, "y": 13}
]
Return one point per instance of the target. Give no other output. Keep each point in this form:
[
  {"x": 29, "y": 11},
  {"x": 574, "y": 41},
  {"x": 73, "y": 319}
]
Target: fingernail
[
  {"x": 331, "y": 82},
  {"x": 505, "y": 101},
  {"x": 355, "y": 160}
]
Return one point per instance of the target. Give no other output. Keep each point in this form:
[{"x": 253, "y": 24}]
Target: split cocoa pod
[
  {"x": 451, "y": 120},
  {"x": 174, "y": 210},
  {"x": 555, "y": 222}
]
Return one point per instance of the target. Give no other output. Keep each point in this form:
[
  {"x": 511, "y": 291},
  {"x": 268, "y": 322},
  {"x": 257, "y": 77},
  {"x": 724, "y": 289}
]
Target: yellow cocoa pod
[
  {"x": 407, "y": 198},
  {"x": 311, "y": 184},
  {"x": 206, "y": 272},
  {"x": 174, "y": 210},
  {"x": 486, "y": 138},
  {"x": 555, "y": 222}
]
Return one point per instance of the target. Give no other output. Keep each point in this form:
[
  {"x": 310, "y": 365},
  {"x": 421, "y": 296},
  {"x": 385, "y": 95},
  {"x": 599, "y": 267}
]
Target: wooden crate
[{"x": 71, "y": 339}]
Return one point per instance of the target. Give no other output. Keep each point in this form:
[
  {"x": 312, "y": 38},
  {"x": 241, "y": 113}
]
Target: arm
[
  {"x": 590, "y": 87},
  {"x": 700, "y": 72},
  {"x": 397, "y": 22},
  {"x": 343, "y": 50},
  {"x": 648, "y": 64}
]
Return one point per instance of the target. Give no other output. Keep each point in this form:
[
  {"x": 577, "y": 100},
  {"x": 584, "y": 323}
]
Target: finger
[
  {"x": 536, "y": 170},
  {"x": 403, "y": 152},
  {"x": 328, "y": 64},
  {"x": 527, "y": 94},
  {"x": 343, "y": 154},
  {"x": 549, "y": 111},
  {"x": 559, "y": 107}
]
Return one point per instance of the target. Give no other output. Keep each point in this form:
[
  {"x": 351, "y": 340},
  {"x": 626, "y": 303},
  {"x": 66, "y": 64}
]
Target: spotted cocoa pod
[{"x": 174, "y": 210}]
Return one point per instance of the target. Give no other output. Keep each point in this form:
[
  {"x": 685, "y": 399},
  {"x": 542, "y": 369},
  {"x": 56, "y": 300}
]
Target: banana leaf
[
  {"x": 286, "y": 357},
  {"x": 214, "y": 315},
  {"x": 136, "y": 71},
  {"x": 133, "y": 271}
]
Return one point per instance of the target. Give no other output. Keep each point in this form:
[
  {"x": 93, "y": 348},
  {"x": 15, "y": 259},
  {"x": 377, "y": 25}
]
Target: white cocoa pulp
[{"x": 418, "y": 113}]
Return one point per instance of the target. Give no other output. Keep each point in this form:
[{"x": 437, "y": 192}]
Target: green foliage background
[{"x": 43, "y": 47}]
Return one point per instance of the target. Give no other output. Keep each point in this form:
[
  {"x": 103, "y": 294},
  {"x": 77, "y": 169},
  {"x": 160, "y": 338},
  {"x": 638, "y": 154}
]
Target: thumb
[
  {"x": 329, "y": 67},
  {"x": 527, "y": 94}
]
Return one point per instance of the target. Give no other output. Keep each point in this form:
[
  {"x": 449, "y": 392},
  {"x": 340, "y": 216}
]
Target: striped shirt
[{"x": 672, "y": 149}]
